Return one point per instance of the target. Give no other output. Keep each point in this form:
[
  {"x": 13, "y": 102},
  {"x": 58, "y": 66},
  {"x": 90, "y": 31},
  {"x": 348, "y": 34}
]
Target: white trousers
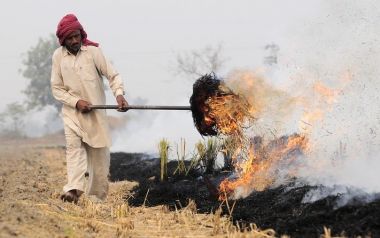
[{"x": 82, "y": 158}]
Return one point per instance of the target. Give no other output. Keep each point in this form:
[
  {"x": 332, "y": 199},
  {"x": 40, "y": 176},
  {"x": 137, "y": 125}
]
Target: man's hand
[
  {"x": 123, "y": 104},
  {"x": 83, "y": 106}
]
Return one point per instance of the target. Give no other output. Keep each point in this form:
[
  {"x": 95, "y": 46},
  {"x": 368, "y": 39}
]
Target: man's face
[{"x": 73, "y": 41}]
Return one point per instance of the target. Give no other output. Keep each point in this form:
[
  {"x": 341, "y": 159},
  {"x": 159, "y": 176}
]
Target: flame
[
  {"x": 258, "y": 163},
  {"x": 258, "y": 92},
  {"x": 327, "y": 94},
  {"x": 232, "y": 114},
  {"x": 315, "y": 108},
  {"x": 228, "y": 112},
  {"x": 259, "y": 171}
]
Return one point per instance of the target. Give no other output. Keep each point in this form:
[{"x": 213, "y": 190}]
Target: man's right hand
[{"x": 83, "y": 106}]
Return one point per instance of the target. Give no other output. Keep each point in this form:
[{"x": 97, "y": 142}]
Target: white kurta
[{"x": 77, "y": 77}]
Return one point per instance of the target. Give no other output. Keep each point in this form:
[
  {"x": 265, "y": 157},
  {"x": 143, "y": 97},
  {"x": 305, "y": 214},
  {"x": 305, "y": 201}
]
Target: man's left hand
[{"x": 123, "y": 104}]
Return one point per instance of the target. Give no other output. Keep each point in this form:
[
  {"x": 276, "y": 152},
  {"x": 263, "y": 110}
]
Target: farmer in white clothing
[{"x": 77, "y": 68}]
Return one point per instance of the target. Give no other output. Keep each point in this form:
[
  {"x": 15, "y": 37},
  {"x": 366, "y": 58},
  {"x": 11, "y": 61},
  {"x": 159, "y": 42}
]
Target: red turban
[{"x": 67, "y": 25}]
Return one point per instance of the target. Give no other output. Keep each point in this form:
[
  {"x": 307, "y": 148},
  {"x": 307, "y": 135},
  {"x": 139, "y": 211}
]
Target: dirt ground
[{"x": 32, "y": 173}]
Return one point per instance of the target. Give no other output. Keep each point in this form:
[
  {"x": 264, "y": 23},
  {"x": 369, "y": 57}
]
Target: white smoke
[
  {"x": 345, "y": 142},
  {"x": 339, "y": 52},
  {"x": 40, "y": 123},
  {"x": 146, "y": 128}
]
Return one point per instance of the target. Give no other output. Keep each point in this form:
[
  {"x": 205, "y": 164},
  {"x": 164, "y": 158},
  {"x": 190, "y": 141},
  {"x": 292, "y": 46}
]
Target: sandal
[{"x": 70, "y": 196}]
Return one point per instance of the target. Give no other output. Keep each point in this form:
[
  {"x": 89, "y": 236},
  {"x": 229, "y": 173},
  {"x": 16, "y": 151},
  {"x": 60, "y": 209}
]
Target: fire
[
  {"x": 216, "y": 109},
  {"x": 326, "y": 93},
  {"x": 220, "y": 111},
  {"x": 315, "y": 108},
  {"x": 229, "y": 112},
  {"x": 259, "y": 171}
]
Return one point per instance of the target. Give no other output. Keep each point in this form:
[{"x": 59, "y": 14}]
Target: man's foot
[{"x": 70, "y": 196}]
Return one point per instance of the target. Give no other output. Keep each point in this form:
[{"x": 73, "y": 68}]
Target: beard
[{"x": 74, "y": 47}]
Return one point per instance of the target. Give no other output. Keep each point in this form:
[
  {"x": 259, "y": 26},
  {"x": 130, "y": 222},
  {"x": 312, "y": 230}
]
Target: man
[{"x": 76, "y": 81}]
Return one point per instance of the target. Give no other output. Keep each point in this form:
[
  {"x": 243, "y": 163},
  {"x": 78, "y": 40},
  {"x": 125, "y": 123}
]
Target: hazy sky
[{"x": 143, "y": 37}]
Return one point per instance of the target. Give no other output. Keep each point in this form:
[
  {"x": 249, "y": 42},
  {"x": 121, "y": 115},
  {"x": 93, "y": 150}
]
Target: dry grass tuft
[
  {"x": 124, "y": 228},
  {"x": 163, "y": 149}
]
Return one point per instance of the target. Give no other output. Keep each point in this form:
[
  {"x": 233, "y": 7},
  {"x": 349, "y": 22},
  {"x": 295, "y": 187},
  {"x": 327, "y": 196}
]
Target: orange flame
[
  {"x": 328, "y": 94},
  {"x": 254, "y": 162},
  {"x": 229, "y": 112},
  {"x": 259, "y": 171},
  {"x": 258, "y": 163}
]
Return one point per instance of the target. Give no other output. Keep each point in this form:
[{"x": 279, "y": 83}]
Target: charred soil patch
[{"x": 279, "y": 208}]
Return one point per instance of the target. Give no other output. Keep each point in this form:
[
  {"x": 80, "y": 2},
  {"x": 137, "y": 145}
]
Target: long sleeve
[
  {"x": 106, "y": 69},
  {"x": 60, "y": 92}
]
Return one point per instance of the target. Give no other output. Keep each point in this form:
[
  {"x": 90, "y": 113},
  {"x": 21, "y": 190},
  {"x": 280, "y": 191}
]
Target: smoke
[
  {"x": 145, "y": 129},
  {"x": 345, "y": 194},
  {"x": 345, "y": 143},
  {"x": 272, "y": 107},
  {"x": 40, "y": 123},
  {"x": 326, "y": 87}
]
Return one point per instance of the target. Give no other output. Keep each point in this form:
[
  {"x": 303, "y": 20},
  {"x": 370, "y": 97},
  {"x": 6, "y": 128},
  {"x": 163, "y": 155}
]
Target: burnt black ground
[{"x": 280, "y": 208}]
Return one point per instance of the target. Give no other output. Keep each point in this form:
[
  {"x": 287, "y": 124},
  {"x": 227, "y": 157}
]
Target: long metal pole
[{"x": 142, "y": 107}]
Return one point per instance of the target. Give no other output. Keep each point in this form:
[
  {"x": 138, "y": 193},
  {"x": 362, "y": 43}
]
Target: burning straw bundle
[{"x": 217, "y": 109}]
